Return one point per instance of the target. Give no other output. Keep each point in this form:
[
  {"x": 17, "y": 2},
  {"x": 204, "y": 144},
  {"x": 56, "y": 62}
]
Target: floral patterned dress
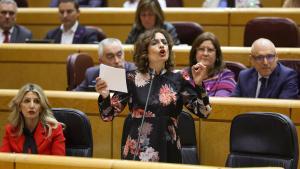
[{"x": 158, "y": 136}]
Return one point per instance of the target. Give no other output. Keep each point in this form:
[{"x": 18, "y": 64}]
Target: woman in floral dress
[{"x": 157, "y": 138}]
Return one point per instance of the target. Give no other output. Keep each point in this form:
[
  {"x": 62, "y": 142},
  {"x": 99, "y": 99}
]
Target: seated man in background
[
  {"x": 82, "y": 3},
  {"x": 110, "y": 53},
  {"x": 231, "y": 3},
  {"x": 267, "y": 78},
  {"x": 10, "y": 32},
  {"x": 71, "y": 32}
]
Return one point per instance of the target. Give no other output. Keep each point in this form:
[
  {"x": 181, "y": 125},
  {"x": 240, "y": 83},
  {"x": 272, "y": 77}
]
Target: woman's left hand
[{"x": 199, "y": 72}]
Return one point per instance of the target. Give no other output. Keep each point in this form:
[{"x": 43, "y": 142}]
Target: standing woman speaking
[{"x": 155, "y": 97}]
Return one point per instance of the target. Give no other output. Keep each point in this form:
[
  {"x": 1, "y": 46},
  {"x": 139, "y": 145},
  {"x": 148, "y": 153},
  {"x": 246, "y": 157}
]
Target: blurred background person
[
  {"x": 10, "y": 32},
  {"x": 149, "y": 15},
  {"x": 111, "y": 53},
  {"x": 231, "y": 3},
  {"x": 82, "y": 3},
  {"x": 32, "y": 127},
  {"x": 291, "y": 4},
  {"x": 70, "y": 31},
  {"x": 134, "y": 3},
  {"x": 206, "y": 49},
  {"x": 152, "y": 129}
]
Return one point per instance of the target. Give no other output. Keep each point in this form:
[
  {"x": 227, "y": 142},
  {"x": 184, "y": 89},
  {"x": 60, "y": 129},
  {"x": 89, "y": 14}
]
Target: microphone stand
[{"x": 152, "y": 73}]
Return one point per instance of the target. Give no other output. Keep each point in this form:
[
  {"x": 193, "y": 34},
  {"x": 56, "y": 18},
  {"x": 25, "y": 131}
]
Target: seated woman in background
[
  {"x": 32, "y": 127},
  {"x": 231, "y": 4},
  {"x": 206, "y": 49},
  {"x": 149, "y": 15}
]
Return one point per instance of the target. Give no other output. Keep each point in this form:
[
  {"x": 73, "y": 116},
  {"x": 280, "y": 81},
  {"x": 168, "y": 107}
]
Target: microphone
[{"x": 152, "y": 74}]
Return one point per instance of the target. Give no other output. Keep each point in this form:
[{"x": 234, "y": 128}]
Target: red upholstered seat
[
  {"x": 77, "y": 63},
  {"x": 174, "y": 3},
  {"x": 187, "y": 31},
  {"x": 100, "y": 34},
  {"x": 283, "y": 32},
  {"x": 235, "y": 67}
]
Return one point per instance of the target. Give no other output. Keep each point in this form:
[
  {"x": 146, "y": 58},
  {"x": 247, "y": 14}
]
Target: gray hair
[
  {"x": 8, "y": 2},
  {"x": 107, "y": 42}
]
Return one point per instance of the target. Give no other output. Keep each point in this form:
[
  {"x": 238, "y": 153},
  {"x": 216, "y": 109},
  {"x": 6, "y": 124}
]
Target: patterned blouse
[{"x": 158, "y": 139}]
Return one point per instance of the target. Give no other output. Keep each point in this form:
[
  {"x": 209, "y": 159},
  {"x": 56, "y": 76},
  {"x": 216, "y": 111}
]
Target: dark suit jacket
[
  {"x": 20, "y": 34},
  {"x": 83, "y": 3},
  {"x": 282, "y": 83},
  {"x": 82, "y": 35},
  {"x": 88, "y": 84},
  {"x": 52, "y": 145}
]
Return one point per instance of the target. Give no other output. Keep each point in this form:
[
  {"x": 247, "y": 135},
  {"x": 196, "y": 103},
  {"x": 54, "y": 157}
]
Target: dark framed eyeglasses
[{"x": 261, "y": 58}]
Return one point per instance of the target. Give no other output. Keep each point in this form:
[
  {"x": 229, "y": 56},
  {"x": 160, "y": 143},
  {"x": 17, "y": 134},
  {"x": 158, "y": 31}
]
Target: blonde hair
[{"x": 46, "y": 117}]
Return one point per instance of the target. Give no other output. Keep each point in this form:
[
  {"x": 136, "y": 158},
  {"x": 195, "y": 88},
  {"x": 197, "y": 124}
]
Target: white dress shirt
[{"x": 67, "y": 36}]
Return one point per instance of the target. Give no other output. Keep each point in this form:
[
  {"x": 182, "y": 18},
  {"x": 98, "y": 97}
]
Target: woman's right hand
[{"x": 101, "y": 87}]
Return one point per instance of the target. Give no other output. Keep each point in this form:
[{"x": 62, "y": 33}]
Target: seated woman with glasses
[
  {"x": 206, "y": 49},
  {"x": 32, "y": 127}
]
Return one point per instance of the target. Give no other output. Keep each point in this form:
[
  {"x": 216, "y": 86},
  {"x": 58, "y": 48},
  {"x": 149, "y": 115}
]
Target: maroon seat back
[
  {"x": 77, "y": 64},
  {"x": 283, "y": 32},
  {"x": 100, "y": 34},
  {"x": 235, "y": 67},
  {"x": 187, "y": 31},
  {"x": 174, "y": 3}
]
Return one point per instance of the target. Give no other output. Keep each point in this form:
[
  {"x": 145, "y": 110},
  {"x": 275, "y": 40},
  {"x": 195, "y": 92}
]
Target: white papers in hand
[{"x": 114, "y": 77}]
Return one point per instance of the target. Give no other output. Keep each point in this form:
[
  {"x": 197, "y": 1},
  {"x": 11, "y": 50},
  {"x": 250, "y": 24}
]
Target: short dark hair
[
  {"x": 219, "y": 63},
  {"x": 141, "y": 50},
  {"x": 152, "y": 5},
  {"x": 72, "y": 1}
]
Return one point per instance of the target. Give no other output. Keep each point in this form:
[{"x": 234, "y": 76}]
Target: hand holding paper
[{"x": 114, "y": 77}]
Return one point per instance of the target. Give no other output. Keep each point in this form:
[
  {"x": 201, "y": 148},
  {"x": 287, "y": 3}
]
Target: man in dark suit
[
  {"x": 10, "y": 32},
  {"x": 83, "y": 3},
  {"x": 267, "y": 78},
  {"x": 71, "y": 32},
  {"x": 110, "y": 53}
]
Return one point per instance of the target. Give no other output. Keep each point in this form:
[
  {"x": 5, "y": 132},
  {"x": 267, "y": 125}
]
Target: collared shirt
[
  {"x": 259, "y": 84},
  {"x": 2, "y": 37},
  {"x": 67, "y": 36}
]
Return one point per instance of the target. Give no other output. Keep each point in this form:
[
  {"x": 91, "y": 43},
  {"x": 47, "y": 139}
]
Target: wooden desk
[
  {"x": 7, "y": 161},
  {"x": 212, "y": 133},
  {"x": 25, "y": 161},
  {"x": 186, "y": 3},
  {"x": 227, "y": 23},
  {"x": 45, "y": 64},
  {"x": 117, "y": 22}
]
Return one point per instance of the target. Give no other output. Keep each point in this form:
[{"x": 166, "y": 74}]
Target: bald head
[
  {"x": 262, "y": 44},
  {"x": 263, "y": 56}
]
